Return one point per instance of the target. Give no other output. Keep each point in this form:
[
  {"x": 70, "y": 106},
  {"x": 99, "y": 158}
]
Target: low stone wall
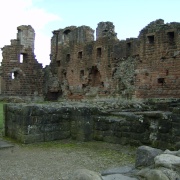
[{"x": 29, "y": 123}]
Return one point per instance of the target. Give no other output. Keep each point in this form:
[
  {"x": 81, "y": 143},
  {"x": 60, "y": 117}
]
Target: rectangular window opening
[
  {"x": 58, "y": 63},
  {"x": 151, "y": 39},
  {"x": 14, "y": 75},
  {"x": 99, "y": 53},
  {"x": 80, "y": 54},
  {"x": 68, "y": 57},
  {"x": 171, "y": 37},
  {"x": 23, "y": 58},
  {"x": 64, "y": 74},
  {"x": 81, "y": 74},
  {"x": 161, "y": 81},
  {"x": 129, "y": 45}
]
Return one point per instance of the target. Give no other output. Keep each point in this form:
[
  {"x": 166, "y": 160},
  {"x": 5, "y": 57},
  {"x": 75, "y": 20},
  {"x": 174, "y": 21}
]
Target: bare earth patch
[{"x": 56, "y": 160}]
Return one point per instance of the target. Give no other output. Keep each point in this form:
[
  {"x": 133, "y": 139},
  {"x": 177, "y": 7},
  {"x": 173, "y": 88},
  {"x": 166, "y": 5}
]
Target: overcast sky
[{"x": 128, "y": 16}]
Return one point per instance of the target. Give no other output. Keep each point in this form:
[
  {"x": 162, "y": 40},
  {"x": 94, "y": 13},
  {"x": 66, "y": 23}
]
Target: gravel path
[{"x": 56, "y": 160}]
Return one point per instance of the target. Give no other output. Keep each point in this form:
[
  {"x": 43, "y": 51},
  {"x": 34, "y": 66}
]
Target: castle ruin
[{"x": 143, "y": 67}]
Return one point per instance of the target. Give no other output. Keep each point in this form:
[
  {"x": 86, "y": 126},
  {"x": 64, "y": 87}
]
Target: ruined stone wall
[
  {"x": 143, "y": 67},
  {"x": 158, "y": 71},
  {"x": 86, "y": 67},
  {"x": 21, "y": 73},
  {"x": 30, "y": 123}
]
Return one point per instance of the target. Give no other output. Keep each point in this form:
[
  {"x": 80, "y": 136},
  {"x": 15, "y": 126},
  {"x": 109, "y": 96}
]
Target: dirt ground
[{"x": 57, "y": 160}]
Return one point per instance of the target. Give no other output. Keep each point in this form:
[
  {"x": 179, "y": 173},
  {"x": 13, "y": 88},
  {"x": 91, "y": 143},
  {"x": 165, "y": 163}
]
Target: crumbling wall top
[
  {"x": 73, "y": 34},
  {"x": 158, "y": 25},
  {"x": 152, "y": 25},
  {"x": 26, "y": 36},
  {"x": 84, "y": 34},
  {"x": 105, "y": 29}
]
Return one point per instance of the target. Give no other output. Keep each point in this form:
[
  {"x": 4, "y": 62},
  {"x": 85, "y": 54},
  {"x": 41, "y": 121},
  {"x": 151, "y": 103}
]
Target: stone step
[{"x": 5, "y": 144}]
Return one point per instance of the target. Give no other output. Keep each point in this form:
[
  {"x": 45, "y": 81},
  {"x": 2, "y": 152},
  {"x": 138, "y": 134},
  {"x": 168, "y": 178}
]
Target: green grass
[
  {"x": 117, "y": 153},
  {"x": 1, "y": 115}
]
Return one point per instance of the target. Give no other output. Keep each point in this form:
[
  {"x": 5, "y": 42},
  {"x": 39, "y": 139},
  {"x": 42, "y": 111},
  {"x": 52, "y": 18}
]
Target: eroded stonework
[
  {"x": 143, "y": 67},
  {"x": 81, "y": 67},
  {"x": 21, "y": 74}
]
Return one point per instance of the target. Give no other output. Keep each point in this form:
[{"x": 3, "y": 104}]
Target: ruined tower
[{"x": 21, "y": 73}]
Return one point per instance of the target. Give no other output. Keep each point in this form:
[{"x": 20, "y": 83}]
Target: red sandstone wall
[
  {"x": 150, "y": 63},
  {"x": 21, "y": 78},
  {"x": 143, "y": 67},
  {"x": 158, "y": 73}
]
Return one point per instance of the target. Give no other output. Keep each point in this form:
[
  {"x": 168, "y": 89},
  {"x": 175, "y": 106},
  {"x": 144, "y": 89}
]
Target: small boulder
[
  {"x": 168, "y": 161},
  {"x": 175, "y": 153},
  {"x": 84, "y": 174},
  {"x": 172, "y": 175},
  {"x": 152, "y": 174},
  {"x": 145, "y": 156}
]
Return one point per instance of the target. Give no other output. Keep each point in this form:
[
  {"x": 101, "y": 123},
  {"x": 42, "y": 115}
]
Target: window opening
[
  {"x": 58, "y": 63},
  {"x": 21, "y": 58},
  {"x": 80, "y": 55},
  {"x": 64, "y": 74},
  {"x": 66, "y": 35},
  {"x": 14, "y": 75},
  {"x": 68, "y": 57},
  {"x": 99, "y": 53},
  {"x": 66, "y": 32},
  {"x": 167, "y": 72},
  {"x": 81, "y": 74},
  {"x": 84, "y": 86},
  {"x": 161, "y": 81},
  {"x": 102, "y": 84},
  {"x": 170, "y": 37},
  {"x": 129, "y": 45},
  {"x": 151, "y": 39}
]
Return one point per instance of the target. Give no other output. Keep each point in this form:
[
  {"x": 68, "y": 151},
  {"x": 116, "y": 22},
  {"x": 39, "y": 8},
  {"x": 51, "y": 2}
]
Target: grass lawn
[{"x": 1, "y": 115}]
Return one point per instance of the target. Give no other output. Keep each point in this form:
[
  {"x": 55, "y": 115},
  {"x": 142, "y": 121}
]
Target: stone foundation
[{"x": 29, "y": 123}]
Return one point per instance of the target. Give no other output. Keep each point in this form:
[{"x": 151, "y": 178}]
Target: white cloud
[
  {"x": 23, "y": 12},
  {"x": 42, "y": 48}
]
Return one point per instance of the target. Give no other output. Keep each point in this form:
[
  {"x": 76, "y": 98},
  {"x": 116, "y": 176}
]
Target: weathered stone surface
[
  {"x": 166, "y": 167},
  {"x": 167, "y": 161},
  {"x": 21, "y": 73},
  {"x": 85, "y": 122},
  {"x": 172, "y": 175},
  {"x": 145, "y": 156},
  {"x": 105, "y": 29},
  {"x": 154, "y": 174},
  {"x": 128, "y": 68},
  {"x": 84, "y": 174},
  {"x": 175, "y": 153},
  {"x": 142, "y": 67},
  {"x": 118, "y": 177},
  {"x": 120, "y": 170},
  {"x": 5, "y": 144}
]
